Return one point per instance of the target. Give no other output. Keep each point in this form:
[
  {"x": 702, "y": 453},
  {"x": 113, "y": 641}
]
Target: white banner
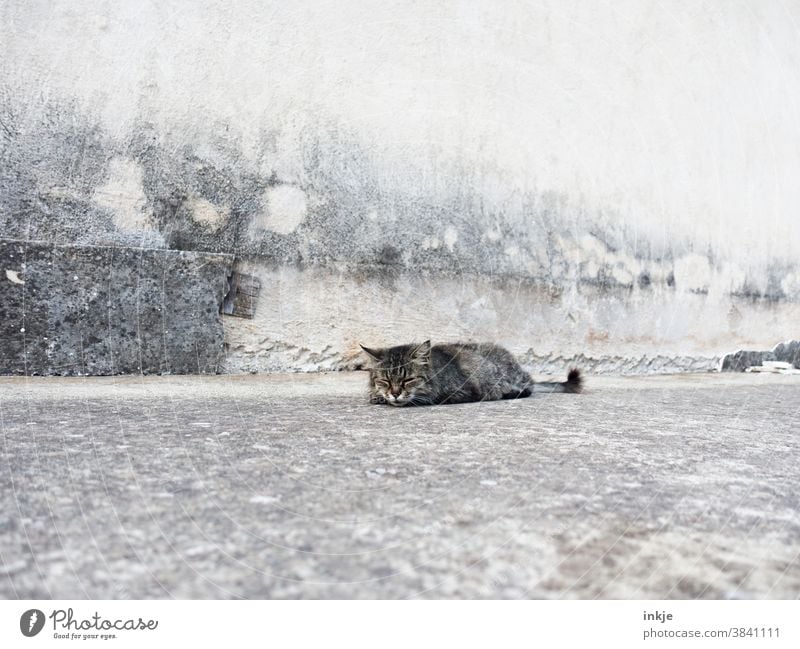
[{"x": 400, "y": 624}]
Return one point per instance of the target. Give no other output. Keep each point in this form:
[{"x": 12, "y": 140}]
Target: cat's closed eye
[{"x": 410, "y": 383}]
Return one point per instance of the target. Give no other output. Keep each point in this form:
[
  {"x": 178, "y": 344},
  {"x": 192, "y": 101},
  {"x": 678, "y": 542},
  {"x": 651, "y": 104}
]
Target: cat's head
[{"x": 400, "y": 375}]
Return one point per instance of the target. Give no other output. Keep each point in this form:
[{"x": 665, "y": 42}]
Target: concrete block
[{"x": 78, "y": 310}]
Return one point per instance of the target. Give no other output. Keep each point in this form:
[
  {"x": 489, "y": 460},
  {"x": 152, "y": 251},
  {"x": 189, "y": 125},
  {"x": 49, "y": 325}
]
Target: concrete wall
[{"x": 617, "y": 181}]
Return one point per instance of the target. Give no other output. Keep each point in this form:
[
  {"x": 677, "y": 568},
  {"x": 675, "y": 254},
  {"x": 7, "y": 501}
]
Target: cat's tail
[{"x": 573, "y": 384}]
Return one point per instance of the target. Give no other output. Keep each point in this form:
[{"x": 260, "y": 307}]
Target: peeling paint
[
  {"x": 205, "y": 212},
  {"x": 285, "y": 208},
  {"x": 693, "y": 272},
  {"x": 123, "y": 195},
  {"x": 790, "y": 285},
  {"x": 450, "y": 237},
  {"x": 430, "y": 243}
]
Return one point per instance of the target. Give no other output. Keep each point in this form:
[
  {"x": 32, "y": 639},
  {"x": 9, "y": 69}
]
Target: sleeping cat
[{"x": 421, "y": 375}]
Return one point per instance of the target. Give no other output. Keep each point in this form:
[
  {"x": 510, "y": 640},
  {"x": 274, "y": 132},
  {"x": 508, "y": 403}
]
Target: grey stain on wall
[{"x": 66, "y": 181}]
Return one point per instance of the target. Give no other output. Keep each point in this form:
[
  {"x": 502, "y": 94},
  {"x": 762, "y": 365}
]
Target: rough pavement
[{"x": 292, "y": 486}]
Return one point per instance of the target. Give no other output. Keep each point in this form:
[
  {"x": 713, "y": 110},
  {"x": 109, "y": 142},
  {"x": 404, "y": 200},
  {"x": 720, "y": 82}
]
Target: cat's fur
[{"x": 422, "y": 375}]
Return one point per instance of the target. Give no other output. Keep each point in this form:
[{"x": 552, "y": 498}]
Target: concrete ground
[{"x": 292, "y": 486}]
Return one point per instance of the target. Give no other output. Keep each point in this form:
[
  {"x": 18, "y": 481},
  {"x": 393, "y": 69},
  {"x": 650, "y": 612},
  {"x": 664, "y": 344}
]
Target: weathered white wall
[{"x": 641, "y": 154}]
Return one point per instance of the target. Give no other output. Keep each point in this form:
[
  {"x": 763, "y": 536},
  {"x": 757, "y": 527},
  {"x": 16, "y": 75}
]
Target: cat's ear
[
  {"x": 375, "y": 354},
  {"x": 422, "y": 353}
]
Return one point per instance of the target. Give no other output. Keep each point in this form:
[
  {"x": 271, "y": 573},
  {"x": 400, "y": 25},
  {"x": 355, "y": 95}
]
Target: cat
[{"x": 421, "y": 375}]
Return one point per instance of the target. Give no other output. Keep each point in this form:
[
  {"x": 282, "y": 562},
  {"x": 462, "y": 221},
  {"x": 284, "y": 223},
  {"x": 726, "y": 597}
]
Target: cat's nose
[{"x": 395, "y": 391}]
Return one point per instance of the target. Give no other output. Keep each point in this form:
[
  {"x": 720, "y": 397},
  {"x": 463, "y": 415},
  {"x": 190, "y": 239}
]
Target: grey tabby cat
[{"x": 421, "y": 375}]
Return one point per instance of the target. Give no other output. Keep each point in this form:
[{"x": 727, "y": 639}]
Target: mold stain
[{"x": 66, "y": 180}]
